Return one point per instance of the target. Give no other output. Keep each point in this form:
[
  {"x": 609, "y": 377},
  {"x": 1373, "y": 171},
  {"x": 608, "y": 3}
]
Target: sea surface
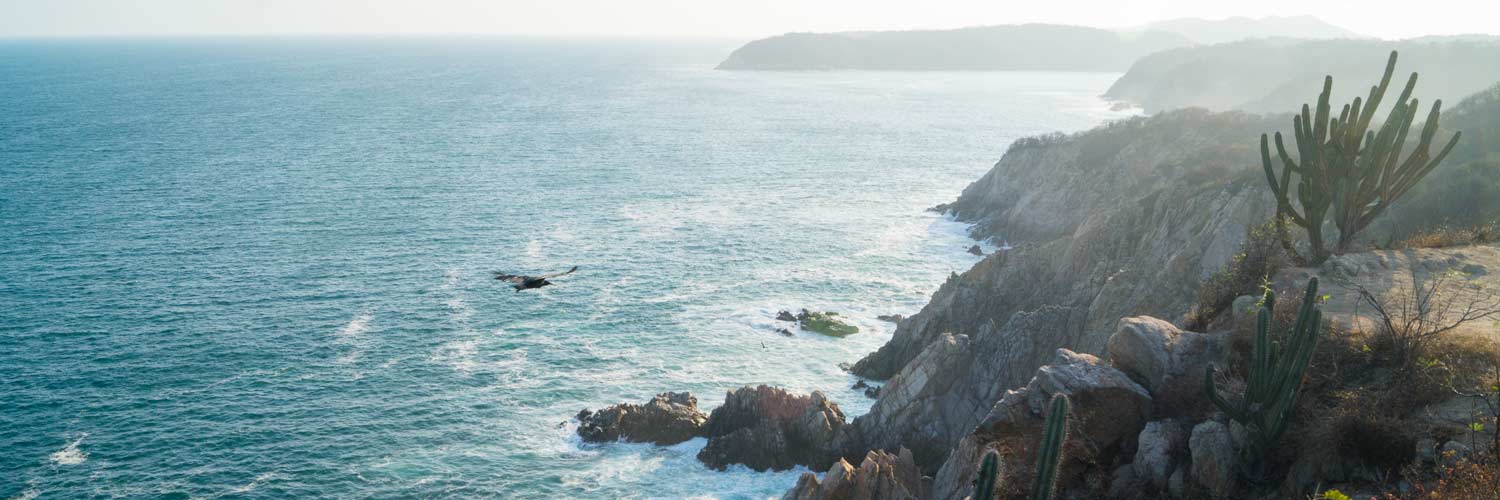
[{"x": 261, "y": 268}]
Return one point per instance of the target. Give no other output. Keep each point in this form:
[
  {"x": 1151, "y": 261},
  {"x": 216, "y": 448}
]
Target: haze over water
[{"x": 259, "y": 268}]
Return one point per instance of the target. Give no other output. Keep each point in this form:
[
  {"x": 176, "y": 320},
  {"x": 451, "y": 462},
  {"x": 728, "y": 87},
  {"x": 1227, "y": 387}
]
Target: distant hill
[
  {"x": 1010, "y": 47},
  {"x": 1232, "y": 29},
  {"x": 1279, "y": 75}
]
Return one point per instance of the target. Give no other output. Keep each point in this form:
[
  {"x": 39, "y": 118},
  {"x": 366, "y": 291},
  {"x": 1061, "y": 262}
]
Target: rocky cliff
[{"x": 1115, "y": 222}]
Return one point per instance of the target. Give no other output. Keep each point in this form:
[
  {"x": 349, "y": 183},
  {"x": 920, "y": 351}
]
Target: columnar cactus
[
  {"x": 989, "y": 472},
  {"x": 1276, "y": 371},
  {"x": 1344, "y": 166},
  {"x": 1050, "y": 453}
]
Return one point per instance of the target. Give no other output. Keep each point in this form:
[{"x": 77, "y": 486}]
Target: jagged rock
[
  {"x": 1169, "y": 362},
  {"x": 893, "y": 318},
  {"x": 1213, "y": 458},
  {"x": 837, "y": 484},
  {"x": 768, "y": 428},
  {"x": 1108, "y": 410},
  {"x": 948, "y": 389},
  {"x": 785, "y": 316},
  {"x": 880, "y": 476},
  {"x": 785, "y": 332},
  {"x": 669, "y": 418},
  {"x": 1154, "y": 452},
  {"x": 871, "y": 391},
  {"x": 975, "y": 250}
]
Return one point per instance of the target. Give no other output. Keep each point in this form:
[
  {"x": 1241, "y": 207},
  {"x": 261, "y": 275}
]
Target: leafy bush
[{"x": 1259, "y": 258}]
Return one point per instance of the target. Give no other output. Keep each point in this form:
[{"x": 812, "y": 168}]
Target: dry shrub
[
  {"x": 1247, "y": 273},
  {"x": 1444, "y": 235},
  {"x": 1477, "y": 479}
]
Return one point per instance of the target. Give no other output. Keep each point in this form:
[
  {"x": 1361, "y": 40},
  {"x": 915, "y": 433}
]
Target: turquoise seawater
[{"x": 259, "y": 268}]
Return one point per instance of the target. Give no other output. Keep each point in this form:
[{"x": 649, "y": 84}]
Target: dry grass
[
  {"x": 1443, "y": 236},
  {"x": 1477, "y": 479}
]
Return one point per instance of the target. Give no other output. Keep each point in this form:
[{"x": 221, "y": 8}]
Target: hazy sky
[{"x": 731, "y": 18}]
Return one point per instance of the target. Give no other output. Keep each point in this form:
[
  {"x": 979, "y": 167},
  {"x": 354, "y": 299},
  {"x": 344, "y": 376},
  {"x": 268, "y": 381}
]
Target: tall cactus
[
  {"x": 989, "y": 472},
  {"x": 1050, "y": 453},
  {"x": 1344, "y": 166},
  {"x": 1049, "y": 456},
  {"x": 1275, "y": 372}
]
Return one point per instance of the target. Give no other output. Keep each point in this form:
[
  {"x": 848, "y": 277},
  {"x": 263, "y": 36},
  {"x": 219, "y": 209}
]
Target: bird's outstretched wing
[
  {"x": 554, "y": 275},
  {"x": 514, "y": 279}
]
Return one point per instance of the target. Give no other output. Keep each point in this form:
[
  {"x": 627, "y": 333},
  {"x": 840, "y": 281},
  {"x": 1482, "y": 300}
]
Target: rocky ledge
[{"x": 669, "y": 418}]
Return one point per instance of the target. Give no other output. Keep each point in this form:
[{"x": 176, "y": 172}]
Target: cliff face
[{"x": 1115, "y": 222}]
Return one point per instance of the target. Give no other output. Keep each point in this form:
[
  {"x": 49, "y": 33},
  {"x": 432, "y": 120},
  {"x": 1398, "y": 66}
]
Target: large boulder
[
  {"x": 1214, "y": 458},
  {"x": 767, "y": 428},
  {"x": 669, "y": 418},
  {"x": 1109, "y": 410},
  {"x": 1156, "y": 450},
  {"x": 1167, "y": 361},
  {"x": 881, "y": 476}
]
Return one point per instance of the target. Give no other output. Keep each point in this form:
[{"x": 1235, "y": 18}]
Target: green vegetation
[
  {"x": 989, "y": 471},
  {"x": 1260, "y": 257},
  {"x": 1345, "y": 167},
  {"x": 1275, "y": 377},
  {"x": 1048, "y": 458},
  {"x": 826, "y": 323},
  {"x": 1049, "y": 455}
]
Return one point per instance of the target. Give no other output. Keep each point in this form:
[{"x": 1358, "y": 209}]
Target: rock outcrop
[
  {"x": 1167, "y": 361},
  {"x": 1113, "y": 223},
  {"x": 767, "y": 428},
  {"x": 1109, "y": 410},
  {"x": 881, "y": 476},
  {"x": 669, "y": 418}
]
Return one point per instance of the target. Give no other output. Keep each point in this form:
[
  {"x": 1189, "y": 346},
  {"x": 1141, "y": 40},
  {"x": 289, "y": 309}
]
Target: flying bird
[{"x": 520, "y": 282}]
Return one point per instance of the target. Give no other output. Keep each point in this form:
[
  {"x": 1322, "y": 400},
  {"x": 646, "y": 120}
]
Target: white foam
[
  {"x": 29, "y": 494},
  {"x": 355, "y": 327},
  {"x": 70, "y": 454},
  {"x": 253, "y": 483}
]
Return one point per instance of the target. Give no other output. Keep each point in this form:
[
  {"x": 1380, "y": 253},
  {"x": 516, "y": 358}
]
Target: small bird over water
[{"x": 529, "y": 282}]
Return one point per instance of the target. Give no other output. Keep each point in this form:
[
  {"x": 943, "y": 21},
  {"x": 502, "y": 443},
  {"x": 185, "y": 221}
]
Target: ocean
[{"x": 261, "y": 267}]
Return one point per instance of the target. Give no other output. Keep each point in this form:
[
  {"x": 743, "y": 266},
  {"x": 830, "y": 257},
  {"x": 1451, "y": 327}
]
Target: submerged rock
[
  {"x": 785, "y": 316},
  {"x": 975, "y": 250},
  {"x": 893, "y": 318},
  {"x": 669, "y": 418},
  {"x": 767, "y": 428}
]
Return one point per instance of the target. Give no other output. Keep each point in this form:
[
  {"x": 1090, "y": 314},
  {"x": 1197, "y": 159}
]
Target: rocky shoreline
[{"x": 1115, "y": 241}]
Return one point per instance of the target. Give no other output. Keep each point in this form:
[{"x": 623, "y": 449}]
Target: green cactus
[
  {"x": 1050, "y": 453},
  {"x": 989, "y": 472},
  {"x": 1345, "y": 167},
  {"x": 1275, "y": 373}
]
